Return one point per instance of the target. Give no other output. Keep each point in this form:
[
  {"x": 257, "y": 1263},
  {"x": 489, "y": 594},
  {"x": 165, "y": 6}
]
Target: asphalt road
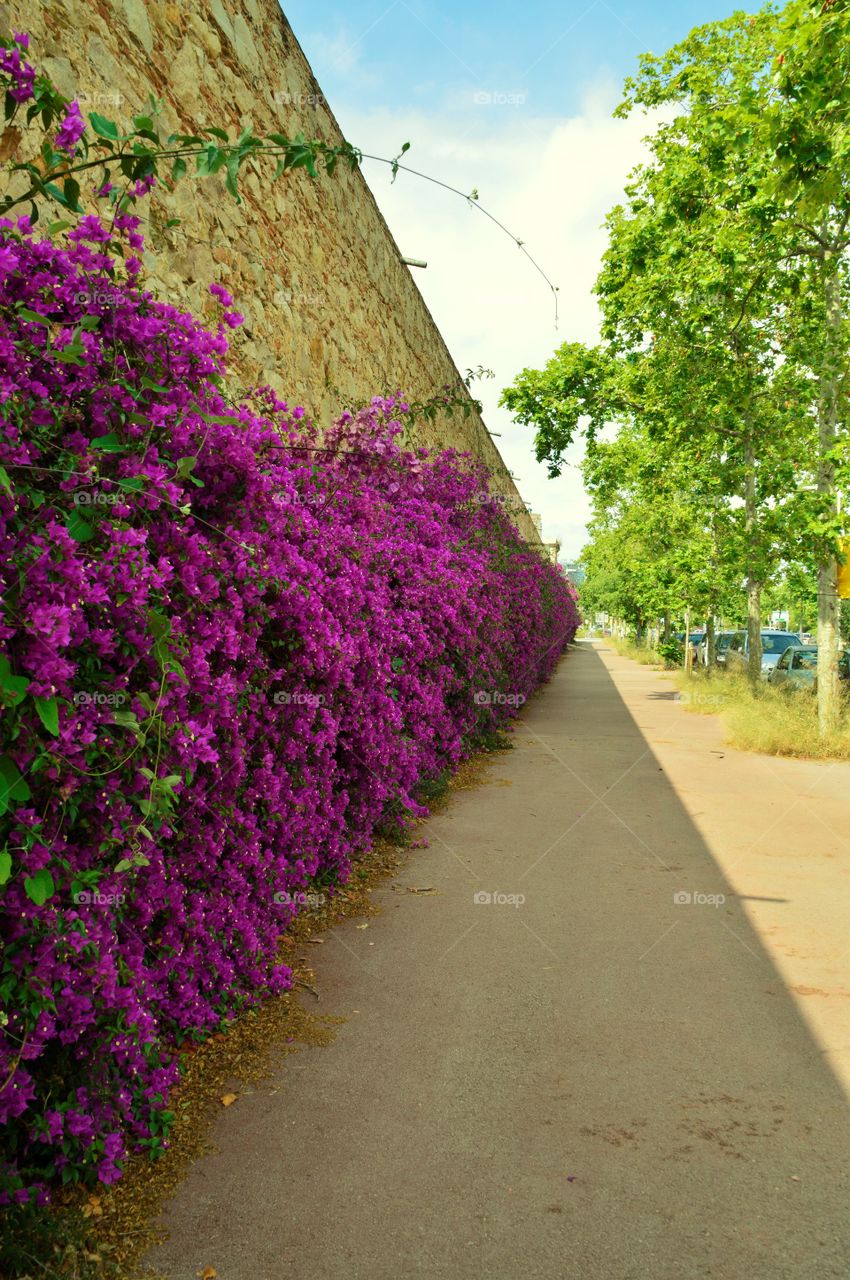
[{"x": 582, "y": 1078}]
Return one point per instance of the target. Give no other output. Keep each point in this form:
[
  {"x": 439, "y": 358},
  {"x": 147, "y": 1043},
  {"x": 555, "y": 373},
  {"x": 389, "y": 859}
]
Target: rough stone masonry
[{"x": 333, "y": 315}]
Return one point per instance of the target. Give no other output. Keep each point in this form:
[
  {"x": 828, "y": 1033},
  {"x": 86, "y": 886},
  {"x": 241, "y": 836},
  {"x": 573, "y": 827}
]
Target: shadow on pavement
[{"x": 573, "y": 1059}]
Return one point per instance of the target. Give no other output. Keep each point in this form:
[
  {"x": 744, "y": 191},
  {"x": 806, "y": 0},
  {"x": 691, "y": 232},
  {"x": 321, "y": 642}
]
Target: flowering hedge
[{"x": 233, "y": 650}]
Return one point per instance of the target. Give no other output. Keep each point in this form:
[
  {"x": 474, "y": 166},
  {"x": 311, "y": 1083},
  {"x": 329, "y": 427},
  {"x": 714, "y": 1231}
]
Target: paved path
[{"x": 597, "y": 1084}]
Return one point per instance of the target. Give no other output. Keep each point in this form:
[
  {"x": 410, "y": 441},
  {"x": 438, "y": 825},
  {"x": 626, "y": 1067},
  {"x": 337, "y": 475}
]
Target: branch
[{"x": 473, "y": 200}]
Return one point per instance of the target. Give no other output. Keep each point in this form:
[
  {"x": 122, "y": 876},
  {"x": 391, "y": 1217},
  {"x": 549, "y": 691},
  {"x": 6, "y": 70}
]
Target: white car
[{"x": 773, "y": 645}]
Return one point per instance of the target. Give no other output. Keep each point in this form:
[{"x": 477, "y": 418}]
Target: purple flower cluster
[
  {"x": 72, "y": 128},
  {"x": 235, "y": 648},
  {"x": 21, "y": 82}
]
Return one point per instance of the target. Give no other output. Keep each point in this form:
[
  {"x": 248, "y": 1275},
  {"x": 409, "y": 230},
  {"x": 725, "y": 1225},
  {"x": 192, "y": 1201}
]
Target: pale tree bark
[
  {"x": 710, "y": 639},
  {"x": 828, "y": 419},
  {"x": 753, "y": 574},
  {"x": 710, "y": 634}
]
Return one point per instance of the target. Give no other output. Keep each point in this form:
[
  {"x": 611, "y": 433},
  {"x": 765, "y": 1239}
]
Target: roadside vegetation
[
  {"x": 762, "y": 718},
  {"x": 238, "y": 648},
  {"x": 637, "y": 652},
  {"x": 714, "y": 407}
]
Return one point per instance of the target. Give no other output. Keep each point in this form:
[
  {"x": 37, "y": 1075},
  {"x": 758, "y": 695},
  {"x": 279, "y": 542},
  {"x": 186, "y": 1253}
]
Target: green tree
[{"x": 763, "y": 107}]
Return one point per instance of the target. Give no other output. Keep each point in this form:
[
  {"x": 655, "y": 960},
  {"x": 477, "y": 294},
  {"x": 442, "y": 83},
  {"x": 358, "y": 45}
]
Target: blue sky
[
  {"x": 514, "y": 99},
  {"x": 415, "y": 50}
]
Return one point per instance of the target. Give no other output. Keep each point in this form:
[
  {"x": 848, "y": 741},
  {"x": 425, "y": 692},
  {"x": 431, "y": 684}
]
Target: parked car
[
  {"x": 773, "y": 645},
  {"x": 722, "y": 641},
  {"x": 798, "y": 668},
  {"x": 695, "y": 639}
]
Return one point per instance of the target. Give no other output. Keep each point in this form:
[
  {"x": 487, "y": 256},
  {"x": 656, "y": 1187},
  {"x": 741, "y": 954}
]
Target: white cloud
[
  {"x": 551, "y": 181},
  {"x": 342, "y": 54}
]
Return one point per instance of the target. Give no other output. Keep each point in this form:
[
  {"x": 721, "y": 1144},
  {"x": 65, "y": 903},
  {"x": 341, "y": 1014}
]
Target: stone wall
[{"x": 333, "y": 314}]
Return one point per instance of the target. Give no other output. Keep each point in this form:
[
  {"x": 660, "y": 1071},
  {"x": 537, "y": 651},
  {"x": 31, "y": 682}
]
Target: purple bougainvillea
[
  {"x": 233, "y": 649},
  {"x": 71, "y": 130}
]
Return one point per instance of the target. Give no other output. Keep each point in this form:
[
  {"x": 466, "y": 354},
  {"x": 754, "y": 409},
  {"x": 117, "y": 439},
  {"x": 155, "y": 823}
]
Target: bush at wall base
[{"x": 231, "y": 649}]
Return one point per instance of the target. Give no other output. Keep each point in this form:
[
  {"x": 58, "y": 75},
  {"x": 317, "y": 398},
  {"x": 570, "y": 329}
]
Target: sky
[{"x": 515, "y": 100}]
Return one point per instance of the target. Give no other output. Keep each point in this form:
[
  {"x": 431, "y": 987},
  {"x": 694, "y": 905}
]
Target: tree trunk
[
  {"x": 753, "y": 576},
  {"x": 710, "y": 640},
  {"x": 828, "y": 417},
  {"x": 754, "y": 630}
]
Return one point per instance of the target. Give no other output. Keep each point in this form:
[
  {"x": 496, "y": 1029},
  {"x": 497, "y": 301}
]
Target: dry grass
[
  {"x": 766, "y": 719},
  {"x": 637, "y": 653}
]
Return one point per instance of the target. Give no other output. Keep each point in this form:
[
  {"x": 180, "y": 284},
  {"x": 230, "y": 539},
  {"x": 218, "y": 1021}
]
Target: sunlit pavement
[{"x": 583, "y": 1055}]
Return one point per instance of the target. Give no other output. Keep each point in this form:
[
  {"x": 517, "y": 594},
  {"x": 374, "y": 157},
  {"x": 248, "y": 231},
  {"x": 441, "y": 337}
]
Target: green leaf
[
  {"x": 108, "y": 444},
  {"x": 104, "y": 128},
  {"x": 231, "y": 181},
  {"x": 124, "y": 864},
  {"x": 210, "y": 161},
  {"x": 12, "y": 784},
  {"x": 56, "y": 193},
  {"x": 5, "y": 865},
  {"x": 79, "y": 529},
  {"x": 71, "y": 191},
  {"x": 159, "y": 624},
  {"x": 72, "y": 354},
  {"x": 39, "y": 887},
  {"x": 132, "y": 483},
  {"x": 48, "y": 714},
  {"x": 15, "y": 687},
  {"x": 126, "y": 720},
  {"x": 34, "y": 318},
  {"x": 218, "y": 133},
  {"x": 5, "y": 482}
]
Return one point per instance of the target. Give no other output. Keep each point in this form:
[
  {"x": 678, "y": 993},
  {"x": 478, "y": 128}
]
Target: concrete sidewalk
[{"x": 580, "y": 1077}]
